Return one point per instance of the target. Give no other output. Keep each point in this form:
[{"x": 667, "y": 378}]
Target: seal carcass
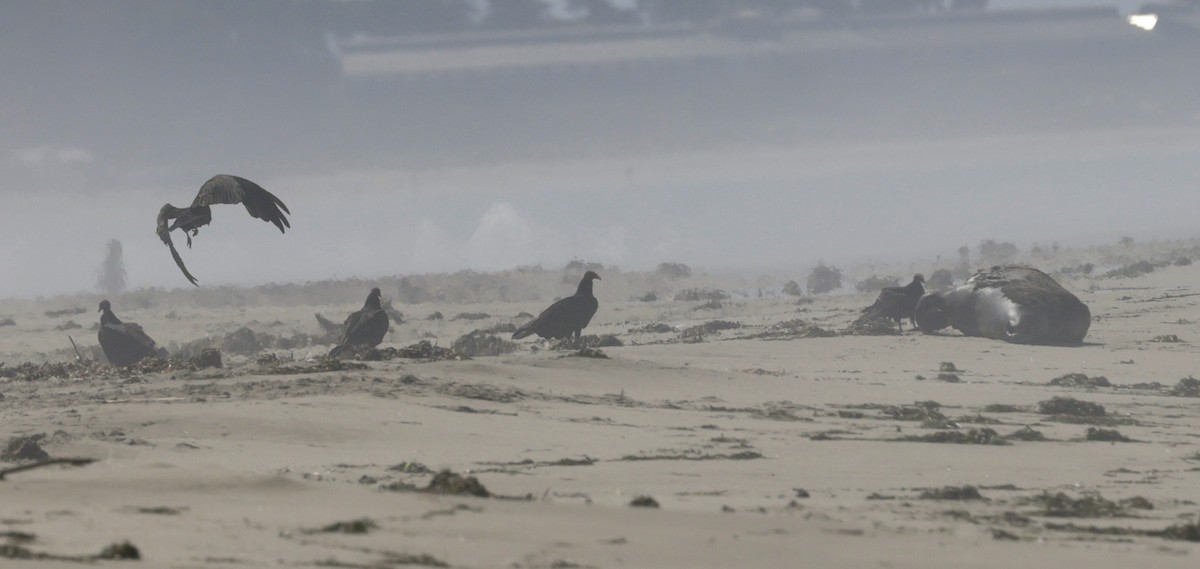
[{"x": 1013, "y": 303}]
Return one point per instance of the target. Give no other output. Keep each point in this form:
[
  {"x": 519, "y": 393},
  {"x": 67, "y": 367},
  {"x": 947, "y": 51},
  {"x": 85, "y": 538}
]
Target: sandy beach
[{"x": 759, "y": 449}]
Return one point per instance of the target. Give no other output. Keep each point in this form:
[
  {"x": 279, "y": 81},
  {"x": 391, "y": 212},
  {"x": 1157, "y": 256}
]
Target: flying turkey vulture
[
  {"x": 567, "y": 316},
  {"x": 898, "y": 302},
  {"x": 367, "y": 327},
  {"x": 124, "y": 343},
  {"x": 220, "y": 189}
]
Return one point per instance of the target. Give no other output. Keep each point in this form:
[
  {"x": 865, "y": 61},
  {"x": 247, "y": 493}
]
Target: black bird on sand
[
  {"x": 367, "y": 327},
  {"x": 124, "y": 343},
  {"x": 220, "y": 189},
  {"x": 566, "y": 317},
  {"x": 898, "y": 302}
]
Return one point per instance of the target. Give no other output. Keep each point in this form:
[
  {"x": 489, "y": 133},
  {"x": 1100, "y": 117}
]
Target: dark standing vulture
[
  {"x": 124, "y": 344},
  {"x": 567, "y": 316},
  {"x": 220, "y": 189},
  {"x": 367, "y": 327},
  {"x": 898, "y": 302}
]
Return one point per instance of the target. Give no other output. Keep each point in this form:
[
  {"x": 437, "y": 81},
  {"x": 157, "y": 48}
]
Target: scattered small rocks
[
  {"x": 471, "y": 316},
  {"x": 1167, "y": 339}
]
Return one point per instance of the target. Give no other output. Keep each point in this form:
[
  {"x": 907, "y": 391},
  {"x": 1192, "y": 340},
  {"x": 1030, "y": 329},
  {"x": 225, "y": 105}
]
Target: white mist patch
[
  {"x": 53, "y": 156},
  {"x": 502, "y": 239},
  {"x": 430, "y": 249}
]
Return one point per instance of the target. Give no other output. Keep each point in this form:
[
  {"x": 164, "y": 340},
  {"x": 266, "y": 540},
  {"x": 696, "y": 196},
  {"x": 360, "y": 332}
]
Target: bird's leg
[{"x": 189, "y": 236}]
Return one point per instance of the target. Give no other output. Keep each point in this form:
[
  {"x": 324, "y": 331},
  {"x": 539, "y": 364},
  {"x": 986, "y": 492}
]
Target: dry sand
[{"x": 760, "y": 453}]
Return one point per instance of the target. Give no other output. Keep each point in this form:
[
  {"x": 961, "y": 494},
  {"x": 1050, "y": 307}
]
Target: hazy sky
[{"x": 1078, "y": 134}]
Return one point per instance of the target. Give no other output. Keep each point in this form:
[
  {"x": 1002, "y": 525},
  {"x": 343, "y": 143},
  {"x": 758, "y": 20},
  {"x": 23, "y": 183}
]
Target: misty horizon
[{"x": 764, "y": 157}]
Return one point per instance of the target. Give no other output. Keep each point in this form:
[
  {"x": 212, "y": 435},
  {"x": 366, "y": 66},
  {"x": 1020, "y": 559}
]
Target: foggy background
[{"x": 411, "y": 137}]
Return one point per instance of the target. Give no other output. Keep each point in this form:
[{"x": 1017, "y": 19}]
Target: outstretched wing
[{"x": 261, "y": 204}]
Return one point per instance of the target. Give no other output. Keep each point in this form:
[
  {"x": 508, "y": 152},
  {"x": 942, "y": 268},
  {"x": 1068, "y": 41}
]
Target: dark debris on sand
[
  {"x": 791, "y": 330},
  {"x": 1071, "y": 407},
  {"x": 697, "y": 333},
  {"x": 1027, "y": 434},
  {"x": 644, "y": 502},
  {"x": 424, "y": 351},
  {"x": 595, "y": 353},
  {"x": 92, "y": 369},
  {"x": 447, "y": 482},
  {"x": 323, "y": 365},
  {"x": 696, "y": 294},
  {"x": 1080, "y": 380},
  {"x": 984, "y": 436},
  {"x": 1089, "y": 505},
  {"x": 952, "y": 493},
  {"x": 866, "y": 325},
  {"x": 1106, "y": 435},
  {"x": 24, "y": 448},
  {"x": 587, "y": 341},
  {"x": 479, "y": 343}
]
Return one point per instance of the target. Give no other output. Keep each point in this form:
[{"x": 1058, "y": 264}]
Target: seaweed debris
[
  {"x": 358, "y": 526},
  {"x": 698, "y": 332},
  {"x": 1106, "y": 435},
  {"x": 1187, "y": 387},
  {"x": 867, "y": 325},
  {"x": 653, "y": 328},
  {"x": 448, "y": 482},
  {"x": 695, "y": 294},
  {"x": 1026, "y": 433},
  {"x": 792, "y": 329},
  {"x": 587, "y": 341},
  {"x": 644, "y": 502},
  {"x": 952, "y": 493},
  {"x": 1089, "y": 505},
  {"x": 1167, "y": 339},
  {"x": 24, "y": 447},
  {"x": 1080, "y": 380},
  {"x": 984, "y": 436},
  {"x": 1071, "y": 407},
  {"x": 480, "y": 343}
]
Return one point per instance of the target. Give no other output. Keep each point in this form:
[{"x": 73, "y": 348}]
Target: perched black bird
[
  {"x": 220, "y": 189},
  {"x": 567, "y": 316},
  {"x": 124, "y": 343},
  {"x": 367, "y": 327},
  {"x": 898, "y": 302}
]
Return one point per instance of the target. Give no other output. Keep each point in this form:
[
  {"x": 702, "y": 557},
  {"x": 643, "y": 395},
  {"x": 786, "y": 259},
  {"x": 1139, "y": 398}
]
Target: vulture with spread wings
[{"x": 220, "y": 189}]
